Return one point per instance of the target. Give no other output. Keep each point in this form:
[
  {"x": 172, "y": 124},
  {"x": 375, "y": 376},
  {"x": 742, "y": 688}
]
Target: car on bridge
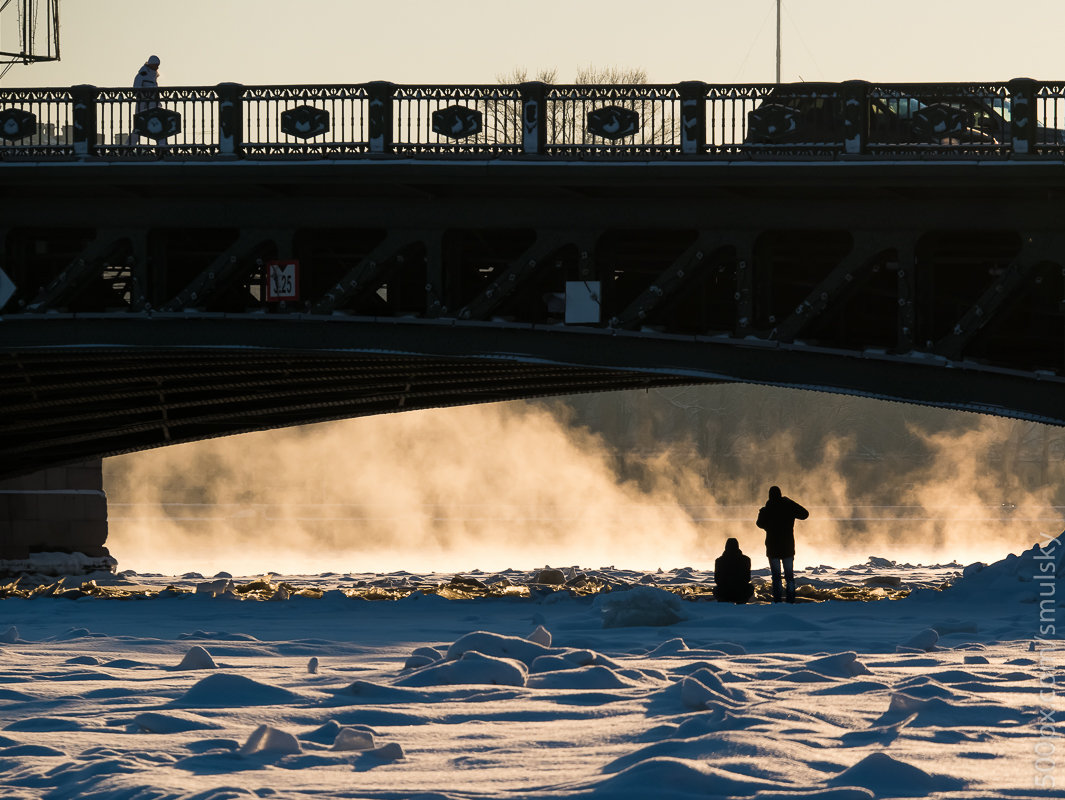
[{"x": 813, "y": 114}]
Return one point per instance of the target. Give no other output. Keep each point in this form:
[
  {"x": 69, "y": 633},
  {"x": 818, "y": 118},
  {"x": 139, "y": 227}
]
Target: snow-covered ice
[{"x": 646, "y": 691}]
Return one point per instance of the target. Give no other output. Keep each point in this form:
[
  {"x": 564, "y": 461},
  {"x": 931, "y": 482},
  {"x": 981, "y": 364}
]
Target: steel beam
[
  {"x": 222, "y": 271},
  {"x": 850, "y": 272},
  {"x": 368, "y": 275}
]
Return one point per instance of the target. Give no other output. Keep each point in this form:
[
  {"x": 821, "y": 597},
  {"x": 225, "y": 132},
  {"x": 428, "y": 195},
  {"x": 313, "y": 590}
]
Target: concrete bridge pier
[{"x": 54, "y": 522}]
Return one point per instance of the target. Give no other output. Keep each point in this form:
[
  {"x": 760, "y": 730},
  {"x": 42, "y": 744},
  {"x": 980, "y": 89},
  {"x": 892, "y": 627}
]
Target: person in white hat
[{"x": 147, "y": 78}]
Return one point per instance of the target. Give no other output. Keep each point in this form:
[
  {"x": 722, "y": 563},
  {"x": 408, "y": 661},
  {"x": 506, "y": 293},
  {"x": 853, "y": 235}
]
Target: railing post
[
  {"x": 1022, "y": 115},
  {"x": 84, "y": 118},
  {"x": 693, "y": 118},
  {"x": 380, "y": 118},
  {"x": 533, "y": 108},
  {"x": 855, "y": 98},
  {"x": 230, "y": 119}
]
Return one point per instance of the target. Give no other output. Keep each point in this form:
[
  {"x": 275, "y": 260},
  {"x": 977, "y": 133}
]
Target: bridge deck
[{"x": 455, "y": 271}]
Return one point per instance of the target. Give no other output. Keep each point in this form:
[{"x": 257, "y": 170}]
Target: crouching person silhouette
[
  {"x": 777, "y": 518},
  {"x": 732, "y": 575}
]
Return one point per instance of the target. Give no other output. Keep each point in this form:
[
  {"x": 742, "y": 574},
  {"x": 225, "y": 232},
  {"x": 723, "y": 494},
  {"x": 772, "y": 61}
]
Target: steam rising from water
[{"x": 521, "y": 485}]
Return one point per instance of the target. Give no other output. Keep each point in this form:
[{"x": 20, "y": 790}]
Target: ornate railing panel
[
  {"x": 36, "y": 123},
  {"x": 1050, "y": 118},
  {"x": 760, "y": 121},
  {"x": 438, "y": 120},
  {"x": 324, "y": 121},
  {"x": 936, "y": 120},
  {"x": 582, "y": 120},
  {"x": 749, "y": 121},
  {"x": 139, "y": 123}
]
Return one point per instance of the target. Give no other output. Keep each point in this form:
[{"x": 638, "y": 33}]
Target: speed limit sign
[{"x": 282, "y": 280}]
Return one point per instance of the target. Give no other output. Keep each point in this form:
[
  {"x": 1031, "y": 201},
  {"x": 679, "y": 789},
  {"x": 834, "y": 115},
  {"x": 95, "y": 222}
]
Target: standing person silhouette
[
  {"x": 145, "y": 80},
  {"x": 777, "y": 518}
]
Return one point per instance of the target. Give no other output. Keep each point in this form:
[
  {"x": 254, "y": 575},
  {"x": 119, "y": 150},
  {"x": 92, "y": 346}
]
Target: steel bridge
[{"x": 199, "y": 261}]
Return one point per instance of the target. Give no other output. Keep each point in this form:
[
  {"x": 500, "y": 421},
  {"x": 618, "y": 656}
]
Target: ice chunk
[
  {"x": 972, "y": 569},
  {"x": 844, "y": 665},
  {"x": 197, "y": 658},
  {"x": 266, "y": 739},
  {"x": 551, "y": 577},
  {"x": 389, "y": 752},
  {"x": 925, "y": 640},
  {"x": 640, "y": 606},
  {"x": 541, "y": 636},
  {"x": 216, "y": 588},
  {"x": 353, "y": 739}
]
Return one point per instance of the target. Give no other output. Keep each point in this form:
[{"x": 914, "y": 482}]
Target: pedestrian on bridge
[
  {"x": 146, "y": 80},
  {"x": 732, "y": 575},
  {"x": 777, "y": 518}
]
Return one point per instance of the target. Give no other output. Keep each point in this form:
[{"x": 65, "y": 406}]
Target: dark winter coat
[
  {"x": 777, "y": 518},
  {"x": 732, "y": 574}
]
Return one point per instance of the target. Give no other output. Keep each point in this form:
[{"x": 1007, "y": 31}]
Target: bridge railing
[
  {"x": 285, "y": 121},
  {"x": 707, "y": 121}
]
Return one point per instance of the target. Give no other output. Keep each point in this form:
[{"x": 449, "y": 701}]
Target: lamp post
[{"x": 778, "y": 41}]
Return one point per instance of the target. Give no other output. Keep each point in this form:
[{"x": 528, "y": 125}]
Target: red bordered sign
[{"x": 282, "y": 280}]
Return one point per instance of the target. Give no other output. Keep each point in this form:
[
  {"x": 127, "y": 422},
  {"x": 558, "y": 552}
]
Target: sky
[{"x": 204, "y": 42}]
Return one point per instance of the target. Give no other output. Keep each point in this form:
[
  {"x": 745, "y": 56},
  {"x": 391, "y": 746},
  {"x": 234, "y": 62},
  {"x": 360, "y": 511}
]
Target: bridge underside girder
[
  {"x": 63, "y": 406},
  {"x": 932, "y": 283}
]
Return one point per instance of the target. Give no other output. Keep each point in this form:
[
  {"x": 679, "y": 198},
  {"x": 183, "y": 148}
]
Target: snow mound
[
  {"x": 498, "y": 646},
  {"x": 154, "y": 722},
  {"x": 266, "y": 740},
  {"x": 925, "y": 640},
  {"x": 389, "y": 752},
  {"x": 888, "y": 776},
  {"x": 640, "y": 606},
  {"x": 551, "y": 664},
  {"x": 10, "y": 636},
  {"x": 421, "y": 656},
  {"x": 682, "y": 776},
  {"x": 669, "y": 647},
  {"x": 46, "y": 725},
  {"x": 840, "y": 665},
  {"x": 472, "y": 668},
  {"x": 1026, "y": 578},
  {"x": 35, "y": 750},
  {"x": 229, "y": 691},
  {"x": 197, "y": 657},
  {"x": 939, "y": 713},
  {"x": 583, "y": 678},
  {"x": 703, "y": 688}
]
